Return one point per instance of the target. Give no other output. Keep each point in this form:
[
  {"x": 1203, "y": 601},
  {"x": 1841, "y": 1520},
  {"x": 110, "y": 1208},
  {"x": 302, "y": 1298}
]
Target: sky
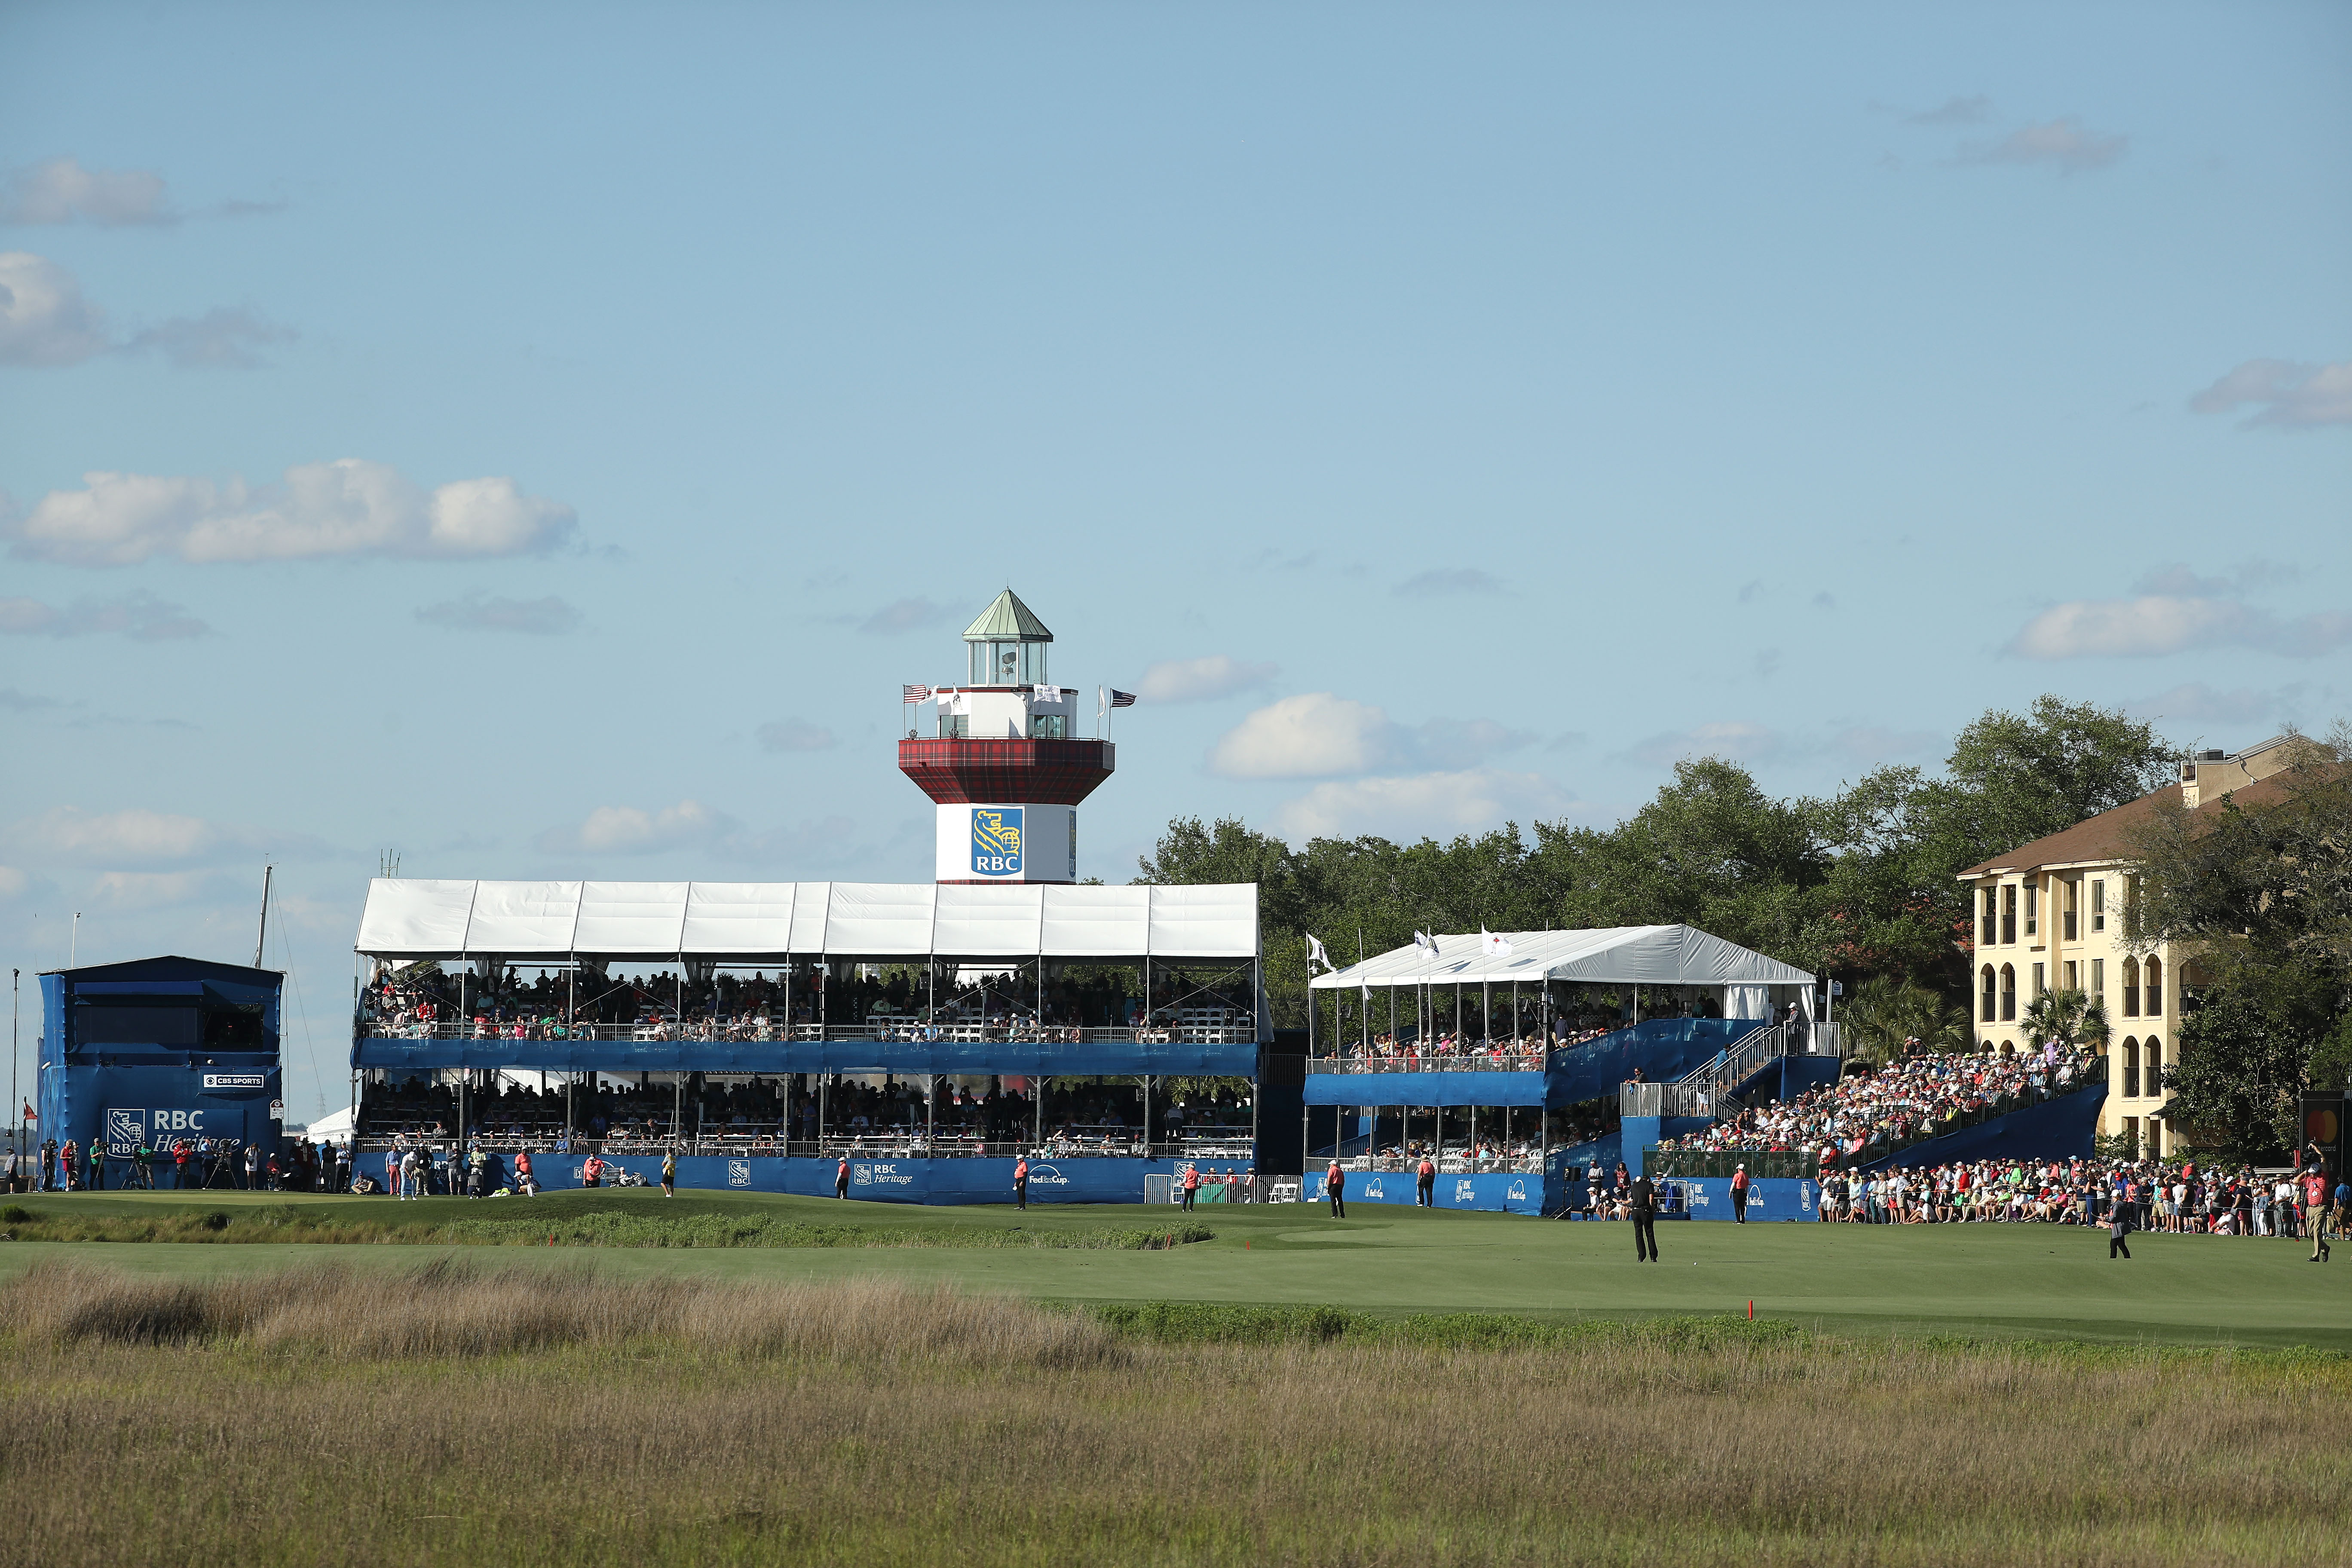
[{"x": 541, "y": 440}]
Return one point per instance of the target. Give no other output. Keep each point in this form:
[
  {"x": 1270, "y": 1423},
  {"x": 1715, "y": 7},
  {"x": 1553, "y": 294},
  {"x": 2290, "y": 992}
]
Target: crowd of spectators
[
  {"x": 2176, "y": 1198},
  {"x": 772, "y": 1114},
  {"x": 424, "y": 1001},
  {"x": 182, "y": 1163},
  {"x": 1916, "y": 1097}
]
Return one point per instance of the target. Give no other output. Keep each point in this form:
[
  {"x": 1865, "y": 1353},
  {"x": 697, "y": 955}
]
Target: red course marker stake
[{"x": 1751, "y": 1309}]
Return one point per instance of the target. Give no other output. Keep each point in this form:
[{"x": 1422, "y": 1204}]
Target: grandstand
[
  {"x": 928, "y": 1034},
  {"x": 1508, "y": 1057}
]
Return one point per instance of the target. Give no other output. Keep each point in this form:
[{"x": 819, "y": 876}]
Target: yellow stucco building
[{"x": 2049, "y": 916}]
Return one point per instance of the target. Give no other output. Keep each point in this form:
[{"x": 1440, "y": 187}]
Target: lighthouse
[{"x": 1003, "y": 770}]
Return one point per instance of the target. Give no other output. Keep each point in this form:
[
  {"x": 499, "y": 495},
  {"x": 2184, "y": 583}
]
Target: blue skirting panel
[
  {"x": 1774, "y": 1198},
  {"x": 2058, "y": 1129},
  {"x": 1503, "y": 1194},
  {"x": 878, "y": 1181}
]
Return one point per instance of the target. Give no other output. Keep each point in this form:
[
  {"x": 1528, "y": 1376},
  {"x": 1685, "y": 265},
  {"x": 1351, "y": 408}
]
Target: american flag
[
  {"x": 914, "y": 694},
  {"x": 1121, "y": 698}
]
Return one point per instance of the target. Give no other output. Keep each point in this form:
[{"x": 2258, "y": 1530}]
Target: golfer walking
[
  {"x": 1335, "y": 1186},
  {"x": 841, "y": 1178},
  {"x": 1739, "y": 1196},
  {"x": 1425, "y": 1192},
  {"x": 1021, "y": 1184},
  {"x": 1642, "y": 1207},
  {"x": 1192, "y": 1185},
  {"x": 2119, "y": 1224},
  {"x": 2314, "y": 1211}
]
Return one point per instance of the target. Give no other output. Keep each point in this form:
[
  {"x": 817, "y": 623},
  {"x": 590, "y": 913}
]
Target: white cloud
[
  {"x": 627, "y": 830},
  {"x": 1421, "y": 805},
  {"x": 136, "y": 837},
  {"x": 550, "y": 617},
  {"x": 344, "y": 508},
  {"x": 1871, "y": 744},
  {"x": 44, "y": 319},
  {"x": 1201, "y": 679},
  {"x": 149, "y": 890},
  {"x": 2197, "y": 702},
  {"x": 2064, "y": 142},
  {"x": 1319, "y": 735},
  {"x": 1440, "y": 581},
  {"x": 903, "y": 615},
  {"x": 62, "y": 191},
  {"x": 1736, "y": 740},
  {"x": 1315, "y": 735},
  {"x": 13, "y": 881},
  {"x": 217, "y": 340},
  {"x": 2285, "y": 393},
  {"x": 140, "y": 616},
  {"x": 2157, "y": 623},
  {"x": 793, "y": 735}
]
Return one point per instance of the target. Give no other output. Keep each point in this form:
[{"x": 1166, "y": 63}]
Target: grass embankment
[
  {"x": 566, "y": 1225},
  {"x": 463, "y": 1415}
]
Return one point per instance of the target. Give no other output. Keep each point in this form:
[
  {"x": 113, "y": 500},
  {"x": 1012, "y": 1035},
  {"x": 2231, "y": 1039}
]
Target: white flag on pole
[
  {"x": 1315, "y": 955},
  {"x": 1494, "y": 944},
  {"x": 1426, "y": 943}
]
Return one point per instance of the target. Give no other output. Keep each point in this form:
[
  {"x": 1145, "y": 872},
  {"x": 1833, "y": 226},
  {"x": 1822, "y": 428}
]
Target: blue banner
[
  {"x": 1085, "y": 1181},
  {"x": 1771, "y": 1198},
  {"x": 1425, "y": 1088},
  {"x": 1500, "y": 1193}
]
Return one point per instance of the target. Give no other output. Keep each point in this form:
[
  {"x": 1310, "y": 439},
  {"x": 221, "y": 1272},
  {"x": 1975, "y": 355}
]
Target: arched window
[
  {"x": 2008, "y": 993},
  {"x": 2154, "y": 1049},
  {"x": 2154, "y": 985},
  {"x": 1987, "y": 994},
  {"x": 2131, "y": 987},
  {"x": 2131, "y": 1069}
]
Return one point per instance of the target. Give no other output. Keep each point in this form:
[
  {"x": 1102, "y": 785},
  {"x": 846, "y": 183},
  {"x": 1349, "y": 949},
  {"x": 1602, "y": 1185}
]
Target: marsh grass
[
  {"x": 516, "y": 1225},
  {"x": 472, "y": 1415}
]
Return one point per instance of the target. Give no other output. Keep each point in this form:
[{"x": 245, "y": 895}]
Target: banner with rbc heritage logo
[{"x": 996, "y": 841}]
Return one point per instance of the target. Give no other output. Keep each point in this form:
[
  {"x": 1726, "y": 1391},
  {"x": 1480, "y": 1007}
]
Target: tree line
[{"x": 1859, "y": 886}]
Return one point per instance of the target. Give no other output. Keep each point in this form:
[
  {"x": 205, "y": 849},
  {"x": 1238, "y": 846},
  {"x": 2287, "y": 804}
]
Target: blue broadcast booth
[{"x": 159, "y": 1049}]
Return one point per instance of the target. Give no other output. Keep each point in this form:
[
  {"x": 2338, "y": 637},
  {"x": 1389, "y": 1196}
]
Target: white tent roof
[
  {"x": 409, "y": 918},
  {"x": 1643, "y": 956}
]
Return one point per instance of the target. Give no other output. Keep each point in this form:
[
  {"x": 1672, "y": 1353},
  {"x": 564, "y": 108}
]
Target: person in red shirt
[
  {"x": 841, "y": 1178},
  {"x": 2314, "y": 1210},
  {"x": 1021, "y": 1184},
  {"x": 1425, "y": 1192},
  {"x": 1336, "y": 1186},
  {"x": 1739, "y": 1196},
  {"x": 1192, "y": 1185}
]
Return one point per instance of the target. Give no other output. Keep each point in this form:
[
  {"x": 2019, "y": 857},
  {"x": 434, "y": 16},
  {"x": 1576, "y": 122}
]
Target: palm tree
[
  {"x": 2073, "y": 1018},
  {"x": 1885, "y": 1016}
]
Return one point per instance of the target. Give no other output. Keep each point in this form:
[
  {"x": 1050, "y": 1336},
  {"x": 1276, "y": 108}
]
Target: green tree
[
  {"x": 2070, "y": 1018},
  {"x": 2259, "y": 892},
  {"x": 1886, "y": 1014}
]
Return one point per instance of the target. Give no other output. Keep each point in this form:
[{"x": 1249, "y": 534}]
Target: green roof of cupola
[{"x": 1007, "y": 619}]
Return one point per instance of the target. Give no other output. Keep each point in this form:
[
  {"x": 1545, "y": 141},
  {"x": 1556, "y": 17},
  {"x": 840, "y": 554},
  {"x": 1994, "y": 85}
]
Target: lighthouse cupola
[
  {"x": 1000, "y": 758},
  {"x": 1007, "y": 644}
]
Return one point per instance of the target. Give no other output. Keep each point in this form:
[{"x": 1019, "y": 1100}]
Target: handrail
[
  {"x": 869, "y": 1147},
  {"x": 1471, "y": 1062}
]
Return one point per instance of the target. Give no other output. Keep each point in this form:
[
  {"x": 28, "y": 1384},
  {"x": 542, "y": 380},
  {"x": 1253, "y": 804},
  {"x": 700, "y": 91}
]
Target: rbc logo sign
[
  {"x": 996, "y": 841},
  {"x": 739, "y": 1173}
]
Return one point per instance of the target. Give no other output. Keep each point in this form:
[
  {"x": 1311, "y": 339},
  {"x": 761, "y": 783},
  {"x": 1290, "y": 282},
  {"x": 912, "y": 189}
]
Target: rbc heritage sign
[{"x": 996, "y": 841}]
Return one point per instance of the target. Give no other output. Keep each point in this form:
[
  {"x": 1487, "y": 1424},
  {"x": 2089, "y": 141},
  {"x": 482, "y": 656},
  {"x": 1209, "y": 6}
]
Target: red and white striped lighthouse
[{"x": 1002, "y": 767}]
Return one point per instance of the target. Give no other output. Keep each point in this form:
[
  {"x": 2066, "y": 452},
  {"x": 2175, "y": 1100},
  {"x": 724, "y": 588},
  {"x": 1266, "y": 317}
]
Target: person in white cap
[{"x": 1739, "y": 1196}]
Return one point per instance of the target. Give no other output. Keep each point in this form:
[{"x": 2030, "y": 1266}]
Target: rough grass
[
  {"x": 520, "y": 1226},
  {"x": 471, "y": 1415}
]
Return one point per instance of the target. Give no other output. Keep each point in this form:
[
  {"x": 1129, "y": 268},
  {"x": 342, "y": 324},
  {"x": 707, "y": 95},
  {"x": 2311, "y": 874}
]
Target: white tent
[
  {"x": 335, "y": 1127},
  {"x": 411, "y": 918},
  {"x": 1637, "y": 955}
]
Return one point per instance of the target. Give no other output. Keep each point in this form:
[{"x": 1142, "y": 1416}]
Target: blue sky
[{"x": 542, "y": 439}]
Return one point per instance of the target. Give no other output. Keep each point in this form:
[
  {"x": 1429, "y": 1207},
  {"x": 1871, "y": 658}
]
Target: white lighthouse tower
[{"x": 1001, "y": 765}]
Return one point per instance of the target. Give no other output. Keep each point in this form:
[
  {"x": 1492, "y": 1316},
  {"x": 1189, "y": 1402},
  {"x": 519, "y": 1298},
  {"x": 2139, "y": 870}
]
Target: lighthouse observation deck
[{"x": 959, "y": 770}]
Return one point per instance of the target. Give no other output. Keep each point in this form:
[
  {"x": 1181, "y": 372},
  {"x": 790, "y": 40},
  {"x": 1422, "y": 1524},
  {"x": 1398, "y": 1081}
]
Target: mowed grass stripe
[{"x": 1995, "y": 1281}]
